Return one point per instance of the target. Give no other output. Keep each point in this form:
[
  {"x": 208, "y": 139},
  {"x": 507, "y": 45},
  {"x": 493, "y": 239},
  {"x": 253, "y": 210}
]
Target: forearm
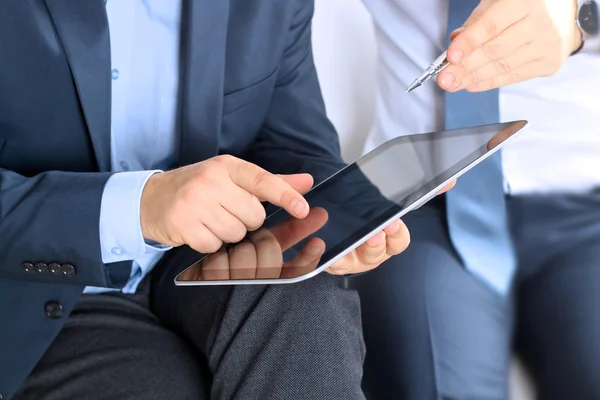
[{"x": 53, "y": 218}]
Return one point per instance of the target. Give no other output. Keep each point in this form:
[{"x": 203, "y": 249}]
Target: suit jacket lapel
[
  {"x": 82, "y": 27},
  {"x": 202, "y": 65}
]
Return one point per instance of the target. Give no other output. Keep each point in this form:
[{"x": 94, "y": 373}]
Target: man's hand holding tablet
[
  {"x": 218, "y": 201},
  {"x": 260, "y": 256},
  {"x": 353, "y": 219}
]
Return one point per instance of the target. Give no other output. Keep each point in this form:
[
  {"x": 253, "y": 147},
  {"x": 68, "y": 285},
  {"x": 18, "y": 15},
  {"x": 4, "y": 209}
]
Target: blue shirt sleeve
[{"x": 121, "y": 236}]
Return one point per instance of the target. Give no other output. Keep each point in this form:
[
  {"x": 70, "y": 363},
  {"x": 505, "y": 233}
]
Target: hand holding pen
[{"x": 505, "y": 42}]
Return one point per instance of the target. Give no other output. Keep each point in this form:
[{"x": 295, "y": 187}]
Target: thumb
[{"x": 300, "y": 182}]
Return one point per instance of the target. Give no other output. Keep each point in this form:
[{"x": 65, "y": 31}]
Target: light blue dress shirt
[{"x": 144, "y": 39}]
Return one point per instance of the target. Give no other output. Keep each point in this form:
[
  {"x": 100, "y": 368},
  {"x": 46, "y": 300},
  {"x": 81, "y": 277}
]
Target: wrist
[
  {"x": 587, "y": 23},
  {"x": 577, "y": 35},
  {"x": 120, "y": 232},
  {"x": 148, "y": 203}
]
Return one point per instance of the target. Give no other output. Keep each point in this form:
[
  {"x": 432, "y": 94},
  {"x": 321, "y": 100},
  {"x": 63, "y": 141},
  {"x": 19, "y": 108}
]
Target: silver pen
[{"x": 434, "y": 68}]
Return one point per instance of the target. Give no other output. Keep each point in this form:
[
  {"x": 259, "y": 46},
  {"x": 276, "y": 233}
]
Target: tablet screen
[{"x": 351, "y": 205}]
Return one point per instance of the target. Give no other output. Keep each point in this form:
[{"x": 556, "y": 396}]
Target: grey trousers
[
  {"x": 434, "y": 331},
  {"x": 300, "y": 341}
]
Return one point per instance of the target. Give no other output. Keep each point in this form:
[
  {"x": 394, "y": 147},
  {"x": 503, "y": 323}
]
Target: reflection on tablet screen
[{"x": 350, "y": 205}]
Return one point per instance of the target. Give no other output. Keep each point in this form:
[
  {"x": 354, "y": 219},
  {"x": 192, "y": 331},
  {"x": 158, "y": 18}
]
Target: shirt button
[
  {"x": 54, "y": 309},
  {"x": 115, "y": 74},
  {"x": 125, "y": 165},
  {"x": 117, "y": 251}
]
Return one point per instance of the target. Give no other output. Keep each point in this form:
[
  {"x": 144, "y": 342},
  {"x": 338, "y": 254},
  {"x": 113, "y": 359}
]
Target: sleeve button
[
  {"x": 55, "y": 268},
  {"x": 68, "y": 270},
  {"x": 41, "y": 267},
  {"x": 28, "y": 267}
]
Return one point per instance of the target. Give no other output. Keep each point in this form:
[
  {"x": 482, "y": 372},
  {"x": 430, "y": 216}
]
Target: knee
[
  {"x": 321, "y": 307},
  {"x": 324, "y": 297}
]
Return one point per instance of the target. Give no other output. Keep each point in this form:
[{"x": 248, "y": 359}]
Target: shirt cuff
[{"x": 121, "y": 236}]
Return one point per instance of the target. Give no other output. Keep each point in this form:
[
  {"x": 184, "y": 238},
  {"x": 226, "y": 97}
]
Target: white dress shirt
[
  {"x": 560, "y": 151},
  {"x": 144, "y": 40}
]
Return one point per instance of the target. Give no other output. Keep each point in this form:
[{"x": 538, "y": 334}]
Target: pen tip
[{"x": 413, "y": 86}]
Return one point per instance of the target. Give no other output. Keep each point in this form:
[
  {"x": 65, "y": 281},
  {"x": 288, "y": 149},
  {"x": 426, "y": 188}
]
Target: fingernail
[
  {"x": 447, "y": 80},
  {"x": 298, "y": 207},
  {"x": 455, "y": 56}
]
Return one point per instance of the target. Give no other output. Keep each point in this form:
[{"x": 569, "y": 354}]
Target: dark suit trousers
[
  {"x": 284, "y": 342},
  {"x": 434, "y": 331}
]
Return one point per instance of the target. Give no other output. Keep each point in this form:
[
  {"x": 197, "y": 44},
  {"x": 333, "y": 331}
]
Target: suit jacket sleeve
[
  {"x": 54, "y": 217},
  {"x": 297, "y": 136}
]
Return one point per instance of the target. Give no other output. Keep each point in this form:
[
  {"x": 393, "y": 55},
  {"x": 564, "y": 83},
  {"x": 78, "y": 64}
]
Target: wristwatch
[{"x": 588, "y": 22}]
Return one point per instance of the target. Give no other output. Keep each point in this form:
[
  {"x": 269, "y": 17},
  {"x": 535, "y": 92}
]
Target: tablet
[{"x": 348, "y": 208}]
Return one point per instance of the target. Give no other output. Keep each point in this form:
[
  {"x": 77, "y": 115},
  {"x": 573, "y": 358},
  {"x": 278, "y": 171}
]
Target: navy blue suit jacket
[{"x": 248, "y": 88}]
